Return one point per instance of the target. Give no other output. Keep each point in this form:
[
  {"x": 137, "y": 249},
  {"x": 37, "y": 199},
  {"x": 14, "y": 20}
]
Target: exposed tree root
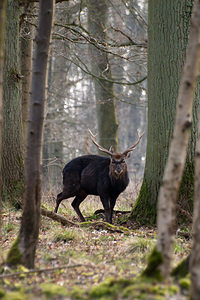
[
  {"x": 96, "y": 225},
  {"x": 123, "y": 212}
]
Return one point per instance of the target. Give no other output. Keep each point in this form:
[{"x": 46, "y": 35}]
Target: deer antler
[
  {"x": 93, "y": 138},
  {"x": 133, "y": 146}
]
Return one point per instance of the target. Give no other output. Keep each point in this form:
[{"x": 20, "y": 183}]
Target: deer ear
[{"x": 111, "y": 149}]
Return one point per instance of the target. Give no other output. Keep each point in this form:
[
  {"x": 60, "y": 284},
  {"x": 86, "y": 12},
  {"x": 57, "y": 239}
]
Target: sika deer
[{"x": 96, "y": 175}]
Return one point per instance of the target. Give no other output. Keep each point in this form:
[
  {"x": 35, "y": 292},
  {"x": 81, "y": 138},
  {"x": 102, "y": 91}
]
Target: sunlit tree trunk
[
  {"x": 12, "y": 145},
  {"x": 2, "y": 35},
  {"x": 178, "y": 149},
  {"x": 26, "y": 243},
  {"x": 195, "y": 253},
  {"x": 168, "y": 24},
  {"x": 105, "y": 102}
]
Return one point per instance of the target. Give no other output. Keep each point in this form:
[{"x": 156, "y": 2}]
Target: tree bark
[
  {"x": 12, "y": 141},
  {"x": 29, "y": 230},
  {"x": 168, "y": 25},
  {"x": 195, "y": 252},
  {"x": 105, "y": 102},
  {"x": 26, "y": 46},
  {"x": 2, "y": 37},
  {"x": 178, "y": 149}
]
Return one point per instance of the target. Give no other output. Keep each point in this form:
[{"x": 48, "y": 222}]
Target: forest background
[{"x": 97, "y": 79}]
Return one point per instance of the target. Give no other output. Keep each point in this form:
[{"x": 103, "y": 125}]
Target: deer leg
[
  {"x": 107, "y": 208},
  {"x": 58, "y": 200},
  {"x": 61, "y": 197},
  {"x": 112, "y": 205},
  {"x": 76, "y": 202}
]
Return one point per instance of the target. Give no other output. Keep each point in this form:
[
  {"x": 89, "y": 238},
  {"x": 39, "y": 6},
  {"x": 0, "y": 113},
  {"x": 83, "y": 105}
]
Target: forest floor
[{"x": 87, "y": 262}]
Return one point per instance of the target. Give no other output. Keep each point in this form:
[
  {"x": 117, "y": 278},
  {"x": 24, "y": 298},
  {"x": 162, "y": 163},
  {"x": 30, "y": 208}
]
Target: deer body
[
  {"x": 95, "y": 175},
  {"x": 91, "y": 175}
]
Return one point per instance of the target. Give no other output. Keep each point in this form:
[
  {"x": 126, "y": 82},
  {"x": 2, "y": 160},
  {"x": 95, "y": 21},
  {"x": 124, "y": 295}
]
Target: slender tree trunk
[
  {"x": 105, "y": 103},
  {"x": 2, "y": 35},
  {"x": 12, "y": 146},
  {"x": 178, "y": 148},
  {"x": 195, "y": 253},
  {"x": 28, "y": 236},
  {"x": 26, "y": 43},
  {"x": 168, "y": 24}
]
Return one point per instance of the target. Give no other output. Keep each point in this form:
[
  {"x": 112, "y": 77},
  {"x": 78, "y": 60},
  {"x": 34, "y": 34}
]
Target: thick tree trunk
[
  {"x": 26, "y": 43},
  {"x": 105, "y": 102},
  {"x": 167, "y": 40},
  {"x": 178, "y": 149},
  {"x": 12, "y": 146},
  {"x": 28, "y": 236},
  {"x": 2, "y": 35}
]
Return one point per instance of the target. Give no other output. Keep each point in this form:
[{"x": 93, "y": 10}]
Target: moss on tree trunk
[
  {"x": 14, "y": 256},
  {"x": 167, "y": 36}
]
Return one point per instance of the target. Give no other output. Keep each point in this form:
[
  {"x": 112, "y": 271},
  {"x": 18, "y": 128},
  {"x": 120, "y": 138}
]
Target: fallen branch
[
  {"x": 28, "y": 272},
  {"x": 50, "y": 214},
  {"x": 99, "y": 211},
  {"x": 95, "y": 225},
  {"x": 105, "y": 226}
]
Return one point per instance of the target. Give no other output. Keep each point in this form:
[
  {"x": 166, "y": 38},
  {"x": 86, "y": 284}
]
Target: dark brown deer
[{"x": 96, "y": 175}]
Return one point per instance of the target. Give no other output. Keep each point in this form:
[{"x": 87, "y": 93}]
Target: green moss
[
  {"x": 2, "y": 293},
  {"x": 137, "y": 288},
  {"x": 109, "y": 288},
  {"x": 126, "y": 230},
  {"x": 143, "y": 211},
  {"x": 12, "y": 192},
  {"x": 64, "y": 236},
  {"x": 14, "y": 256},
  {"x": 77, "y": 293},
  {"x": 152, "y": 270},
  {"x": 85, "y": 224},
  {"x": 184, "y": 283},
  {"x": 15, "y": 296},
  {"x": 50, "y": 290},
  {"x": 182, "y": 269},
  {"x": 186, "y": 192}
]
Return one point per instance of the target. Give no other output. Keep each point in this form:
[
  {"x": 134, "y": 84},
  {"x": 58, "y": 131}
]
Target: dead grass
[{"x": 95, "y": 254}]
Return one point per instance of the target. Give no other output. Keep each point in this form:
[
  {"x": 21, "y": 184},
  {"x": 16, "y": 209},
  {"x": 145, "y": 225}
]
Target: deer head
[{"x": 118, "y": 164}]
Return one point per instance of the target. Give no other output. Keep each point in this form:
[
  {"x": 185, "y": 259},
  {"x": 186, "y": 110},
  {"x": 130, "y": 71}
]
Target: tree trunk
[
  {"x": 195, "y": 253},
  {"x": 12, "y": 141},
  {"x": 167, "y": 41},
  {"x": 105, "y": 102},
  {"x": 178, "y": 149},
  {"x": 2, "y": 36},
  {"x": 26, "y": 43},
  {"x": 28, "y": 236}
]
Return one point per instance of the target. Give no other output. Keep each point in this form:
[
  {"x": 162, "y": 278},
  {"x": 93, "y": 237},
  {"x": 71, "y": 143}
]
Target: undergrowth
[{"x": 87, "y": 262}]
